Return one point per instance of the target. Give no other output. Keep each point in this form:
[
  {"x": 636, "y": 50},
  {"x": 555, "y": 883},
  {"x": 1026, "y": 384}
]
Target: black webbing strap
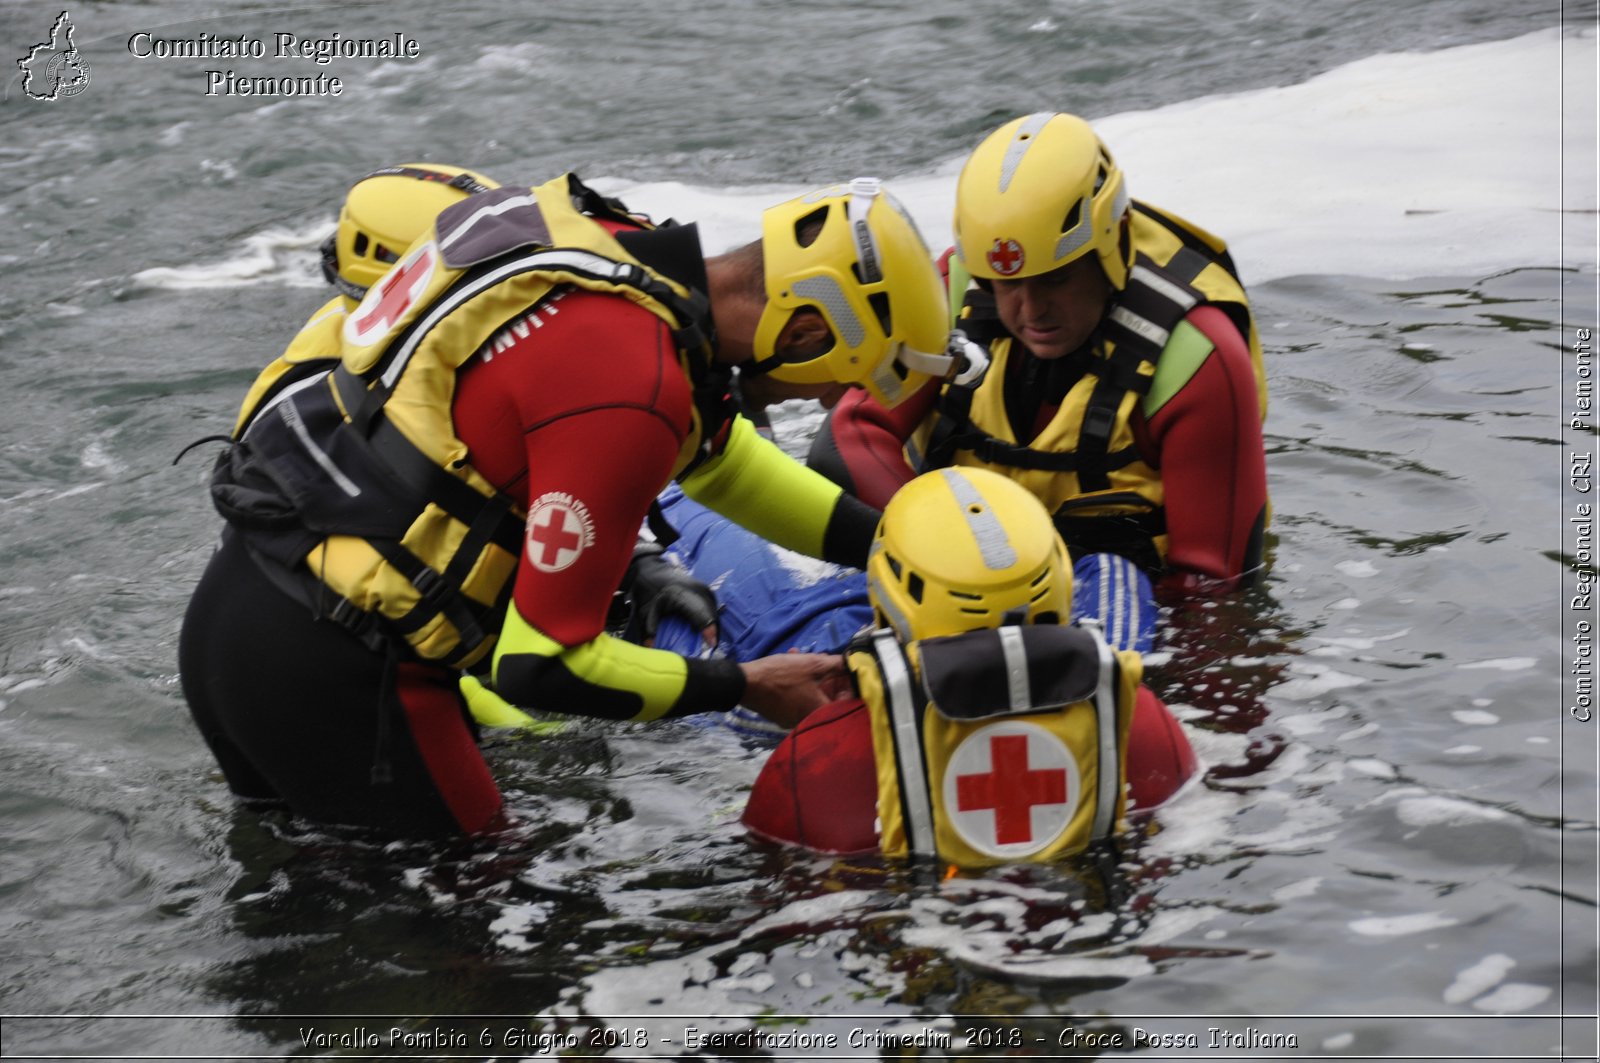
[
  {"x": 419, "y": 472},
  {"x": 437, "y": 597},
  {"x": 659, "y": 525},
  {"x": 1138, "y": 328}
]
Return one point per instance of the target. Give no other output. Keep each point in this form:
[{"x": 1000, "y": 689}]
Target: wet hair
[{"x": 752, "y": 270}]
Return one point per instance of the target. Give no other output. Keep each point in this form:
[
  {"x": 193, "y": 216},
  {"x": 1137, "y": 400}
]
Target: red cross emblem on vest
[
  {"x": 1006, "y": 257},
  {"x": 559, "y": 530},
  {"x": 1011, "y": 788},
  {"x": 387, "y": 301}
]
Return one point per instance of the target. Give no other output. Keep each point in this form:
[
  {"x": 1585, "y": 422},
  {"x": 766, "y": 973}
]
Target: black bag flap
[{"x": 968, "y": 676}]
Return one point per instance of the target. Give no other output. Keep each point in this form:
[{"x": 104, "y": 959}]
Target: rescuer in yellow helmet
[
  {"x": 983, "y": 727},
  {"x": 460, "y": 486},
  {"x": 1123, "y": 385}
]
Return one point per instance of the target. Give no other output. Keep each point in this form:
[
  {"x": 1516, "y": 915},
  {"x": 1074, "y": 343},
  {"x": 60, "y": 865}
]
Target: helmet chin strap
[{"x": 758, "y": 367}]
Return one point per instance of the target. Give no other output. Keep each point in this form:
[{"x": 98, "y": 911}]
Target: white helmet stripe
[
  {"x": 994, "y": 545},
  {"x": 1021, "y": 141},
  {"x": 863, "y": 190}
]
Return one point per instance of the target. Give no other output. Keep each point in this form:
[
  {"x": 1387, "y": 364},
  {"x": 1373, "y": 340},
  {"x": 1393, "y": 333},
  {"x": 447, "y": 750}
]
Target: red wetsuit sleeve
[
  {"x": 581, "y": 419},
  {"x": 1206, "y": 441},
  {"x": 583, "y": 416},
  {"x": 861, "y": 446}
]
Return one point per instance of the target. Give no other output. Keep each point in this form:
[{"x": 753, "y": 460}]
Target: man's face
[
  {"x": 804, "y": 337},
  {"x": 1054, "y": 313}
]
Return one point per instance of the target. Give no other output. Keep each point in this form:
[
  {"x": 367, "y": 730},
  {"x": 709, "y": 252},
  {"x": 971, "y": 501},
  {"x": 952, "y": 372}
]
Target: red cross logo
[
  {"x": 388, "y": 300},
  {"x": 559, "y": 529},
  {"x": 1006, "y": 257},
  {"x": 1011, "y": 789}
]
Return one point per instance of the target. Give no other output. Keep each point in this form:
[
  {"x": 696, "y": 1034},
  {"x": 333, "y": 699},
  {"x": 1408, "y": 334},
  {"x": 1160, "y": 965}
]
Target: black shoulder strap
[{"x": 1137, "y": 327}]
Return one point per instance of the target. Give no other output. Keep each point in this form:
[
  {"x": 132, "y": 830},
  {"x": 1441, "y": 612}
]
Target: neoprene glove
[{"x": 657, "y": 588}]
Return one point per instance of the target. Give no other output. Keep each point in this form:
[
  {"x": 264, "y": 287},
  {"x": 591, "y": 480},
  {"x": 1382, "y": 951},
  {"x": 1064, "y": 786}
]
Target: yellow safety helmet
[
  {"x": 384, "y": 212},
  {"x": 960, "y": 549},
  {"x": 852, "y": 253},
  {"x": 1039, "y": 192}
]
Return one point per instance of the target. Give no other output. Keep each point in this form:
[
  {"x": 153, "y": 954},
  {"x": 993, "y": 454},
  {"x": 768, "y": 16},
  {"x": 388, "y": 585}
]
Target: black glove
[{"x": 656, "y": 587}]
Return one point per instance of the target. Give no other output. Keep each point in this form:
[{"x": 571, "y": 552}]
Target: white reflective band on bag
[
  {"x": 1019, "y": 693},
  {"x": 1105, "y": 706},
  {"x": 916, "y": 805}
]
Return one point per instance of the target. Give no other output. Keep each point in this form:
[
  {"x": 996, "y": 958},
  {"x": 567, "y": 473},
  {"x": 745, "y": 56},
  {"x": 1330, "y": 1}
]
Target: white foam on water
[
  {"x": 1009, "y": 948},
  {"x": 1444, "y": 811},
  {"x": 1474, "y": 717},
  {"x": 1294, "y": 891},
  {"x": 1513, "y": 996},
  {"x": 1503, "y": 664},
  {"x": 1372, "y": 767},
  {"x": 1395, "y": 165},
  {"x": 1311, "y": 723},
  {"x": 1355, "y": 642},
  {"x": 1212, "y": 821},
  {"x": 1479, "y": 978},
  {"x": 1312, "y": 680},
  {"x": 1402, "y": 165},
  {"x": 96, "y": 456},
  {"x": 814, "y": 912},
  {"x": 1401, "y": 925},
  {"x": 1357, "y": 569},
  {"x": 277, "y": 255},
  {"x": 1339, "y": 174},
  {"x": 515, "y": 928},
  {"x": 524, "y": 57}
]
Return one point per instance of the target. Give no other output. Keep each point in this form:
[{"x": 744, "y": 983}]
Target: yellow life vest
[
  {"x": 312, "y": 348},
  {"x": 347, "y": 474},
  {"x": 1085, "y": 465},
  {"x": 998, "y": 745}
]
